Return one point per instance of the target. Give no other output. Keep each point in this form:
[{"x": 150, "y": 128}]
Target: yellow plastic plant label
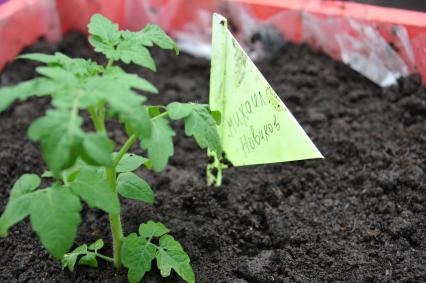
[{"x": 256, "y": 127}]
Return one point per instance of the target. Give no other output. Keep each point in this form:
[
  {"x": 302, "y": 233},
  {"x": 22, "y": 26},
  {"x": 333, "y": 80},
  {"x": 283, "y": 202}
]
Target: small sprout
[{"x": 169, "y": 254}]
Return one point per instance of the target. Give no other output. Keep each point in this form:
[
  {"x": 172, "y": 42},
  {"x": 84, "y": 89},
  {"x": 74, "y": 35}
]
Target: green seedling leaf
[
  {"x": 19, "y": 203},
  {"x": 99, "y": 244},
  {"x": 40, "y": 57},
  {"x": 98, "y": 148},
  {"x": 138, "y": 252},
  {"x": 27, "y": 183},
  {"x": 55, "y": 216},
  {"x": 172, "y": 256},
  {"x": 76, "y": 66},
  {"x": 119, "y": 76},
  {"x": 69, "y": 259},
  {"x": 159, "y": 144},
  {"x": 58, "y": 74},
  {"x": 60, "y": 135},
  {"x": 130, "y": 50},
  {"x": 153, "y": 34},
  {"x": 137, "y": 255},
  {"x": 132, "y": 112},
  {"x": 103, "y": 28},
  {"x": 104, "y": 35},
  {"x": 130, "y": 162},
  {"x": 96, "y": 191},
  {"x": 199, "y": 122},
  {"x": 25, "y": 90},
  {"x": 152, "y": 229},
  {"x": 179, "y": 110},
  {"x": 47, "y": 174},
  {"x": 202, "y": 126},
  {"x": 127, "y": 46},
  {"x": 88, "y": 253},
  {"x": 129, "y": 185},
  {"x": 89, "y": 260}
]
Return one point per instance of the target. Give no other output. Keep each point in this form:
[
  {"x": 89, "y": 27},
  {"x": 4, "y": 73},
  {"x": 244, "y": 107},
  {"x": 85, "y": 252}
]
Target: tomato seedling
[{"x": 84, "y": 166}]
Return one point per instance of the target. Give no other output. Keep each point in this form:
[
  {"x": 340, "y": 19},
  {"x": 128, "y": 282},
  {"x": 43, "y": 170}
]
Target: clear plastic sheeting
[
  {"x": 195, "y": 37},
  {"x": 369, "y": 54},
  {"x": 358, "y": 45},
  {"x": 259, "y": 38}
]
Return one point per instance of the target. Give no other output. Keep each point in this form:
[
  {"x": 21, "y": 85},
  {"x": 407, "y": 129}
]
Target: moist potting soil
[{"x": 357, "y": 216}]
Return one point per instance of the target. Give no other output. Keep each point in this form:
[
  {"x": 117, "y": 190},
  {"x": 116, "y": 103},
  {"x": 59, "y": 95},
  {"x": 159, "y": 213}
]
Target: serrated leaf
[
  {"x": 60, "y": 135},
  {"x": 131, "y": 111},
  {"x": 137, "y": 255},
  {"x": 152, "y": 229},
  {"x": 199, "y": 122},
  {"x": 130, "y": 186},
  {"x": 69, "y": 259},
  {"x": 27, "y": 183},
  {"x": 89, "y": 260},
  {"x": 25, "y": 90},
  {"x": 96, "y": 191},
  {"x": 159, "y": 144},
  {"x": 99, "y": 244},
  {"x": 172, "y": 256},
  {"x": 39, "y": 57},
  {"x": 76, "y": 66},
  {"x": 98, "y": 148},
  {"x": 47, "y": 174},
  {"x": 104, "y": 35},
  {"x": 129, "y": 162},
  {"x": 130, "y": 50},
  {"x": 179, "y": 110},
  {"x": 202, "y": 126},
  {"x": 119, "y": 76},
  {"x": 104, "y": 28},
  {"x": 18, "y": 206},
  {"x": 153, "y": 34},
  {"x": 138, "y": 83},
  {"x": 58, "y": 74},
  {"x": 100, "y": 46},
  {"x": 55, "y": 216}
]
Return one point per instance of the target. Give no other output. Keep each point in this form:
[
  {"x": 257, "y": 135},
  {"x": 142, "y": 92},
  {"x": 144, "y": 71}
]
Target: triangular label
[{"x": 256, "y": 126}]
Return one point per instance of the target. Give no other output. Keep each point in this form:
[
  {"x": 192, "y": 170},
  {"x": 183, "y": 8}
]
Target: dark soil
[{"x": 357, "y": 216}]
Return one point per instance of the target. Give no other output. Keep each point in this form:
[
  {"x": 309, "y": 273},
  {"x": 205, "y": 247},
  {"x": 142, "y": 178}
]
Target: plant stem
[
  {"x": 219, "y": 176},
  {"x": 98, "y": 118},
  {"x": 104, "y": 257},
  {"x": 99, "y": 125},
  {"x": 110, "y": 63},
  {"x": 101, "y": 115},
  {"x": 218, "y": 165},
  {"x": 132, "y": 139},
  {"x": 160, "y": 115},
  {"x": 115, "y": 221}
]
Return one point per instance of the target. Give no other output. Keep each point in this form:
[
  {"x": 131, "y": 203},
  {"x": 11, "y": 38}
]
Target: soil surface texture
[{"x": 357, "y": 216}]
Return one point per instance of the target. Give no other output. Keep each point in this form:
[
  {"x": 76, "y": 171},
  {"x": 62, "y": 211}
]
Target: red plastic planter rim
[{"x": 74, "y": 14}]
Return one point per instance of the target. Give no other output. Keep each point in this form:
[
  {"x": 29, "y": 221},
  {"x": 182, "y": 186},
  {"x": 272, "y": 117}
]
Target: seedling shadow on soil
[{"x": 357, "y": 216}]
